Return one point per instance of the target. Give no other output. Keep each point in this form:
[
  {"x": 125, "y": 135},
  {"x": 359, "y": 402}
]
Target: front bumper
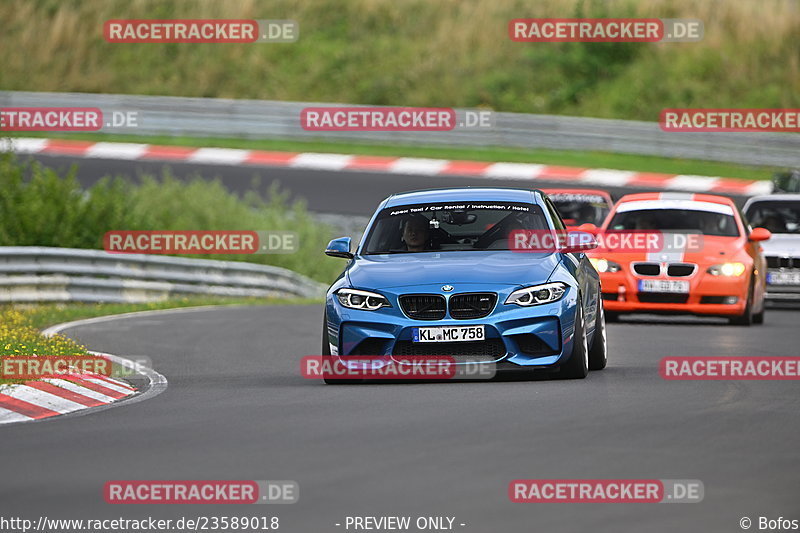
[
  {"x": 530, "y": 337},
  {"x": 708, "y": 295}
]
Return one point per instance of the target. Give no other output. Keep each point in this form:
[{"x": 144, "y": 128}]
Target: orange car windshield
[{"x": 677, "y": 220}]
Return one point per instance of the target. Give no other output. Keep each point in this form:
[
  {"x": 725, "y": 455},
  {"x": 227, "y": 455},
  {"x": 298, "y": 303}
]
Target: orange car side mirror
[
  {"x": 760, "y": 234},
  {"x": 588, "y": 228}
]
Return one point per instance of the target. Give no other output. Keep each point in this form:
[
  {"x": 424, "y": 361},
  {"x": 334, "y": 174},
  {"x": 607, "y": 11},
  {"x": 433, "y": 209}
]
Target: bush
[{"x": 39, "y": 207}]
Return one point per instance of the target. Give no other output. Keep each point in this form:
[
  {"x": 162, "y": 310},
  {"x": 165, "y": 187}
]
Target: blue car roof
[{"x": 461, "y": 194}]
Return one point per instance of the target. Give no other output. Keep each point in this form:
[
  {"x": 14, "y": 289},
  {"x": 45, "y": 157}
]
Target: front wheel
[
  {"x": 598, "y": 352},
  {"x": 758, "y": 318},
  {"x": 577, "y": 367},
  {"x": 746, "y": 318}
]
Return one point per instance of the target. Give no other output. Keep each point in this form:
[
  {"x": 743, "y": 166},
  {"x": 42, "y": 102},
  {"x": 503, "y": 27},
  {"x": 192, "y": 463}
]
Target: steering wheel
[
  {"x": 439, "y": 236},
  {"x": 492, "y": 234}
]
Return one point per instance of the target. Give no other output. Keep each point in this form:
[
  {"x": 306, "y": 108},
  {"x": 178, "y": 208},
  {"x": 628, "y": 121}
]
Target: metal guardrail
[
  {"x": 41, "y": 274},
  {"x": 261, "y": 119}
]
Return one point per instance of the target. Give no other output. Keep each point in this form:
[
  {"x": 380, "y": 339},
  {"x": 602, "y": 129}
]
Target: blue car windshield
[{"x": 460, "y": 226}]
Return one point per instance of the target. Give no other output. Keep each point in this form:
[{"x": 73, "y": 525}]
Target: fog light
[
  {"x": 730, "y": 300},
  {"x": 621, "y": 293}
]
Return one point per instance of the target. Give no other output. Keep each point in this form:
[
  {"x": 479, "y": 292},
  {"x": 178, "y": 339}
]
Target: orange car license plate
[{"x": 663, "y": 285}]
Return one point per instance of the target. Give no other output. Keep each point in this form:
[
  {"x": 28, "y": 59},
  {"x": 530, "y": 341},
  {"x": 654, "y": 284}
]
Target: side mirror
[
  {"x": 579, "y": 242},
  {"x": 588, "y": 228},
  {"x": 339, "y": 248},
  {"x": 760, "y": 234}
]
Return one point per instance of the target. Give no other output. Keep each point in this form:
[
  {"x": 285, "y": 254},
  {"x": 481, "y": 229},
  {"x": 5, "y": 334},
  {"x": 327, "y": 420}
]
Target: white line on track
[
  {"x": 83, "y": 391},
  {"x": 42, "y": 399},
  {"x": 117, "y": 150},
  {"x": 221, "y": 156}
]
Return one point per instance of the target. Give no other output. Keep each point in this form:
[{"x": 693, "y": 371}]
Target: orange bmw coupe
[{"x": 680, "y": 253}]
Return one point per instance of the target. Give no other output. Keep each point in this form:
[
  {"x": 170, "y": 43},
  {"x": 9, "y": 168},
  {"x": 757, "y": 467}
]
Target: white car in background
[{"x": 780, "y": 214}]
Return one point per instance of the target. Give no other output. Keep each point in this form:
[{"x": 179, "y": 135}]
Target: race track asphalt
[{"x": 237, "y": 408}]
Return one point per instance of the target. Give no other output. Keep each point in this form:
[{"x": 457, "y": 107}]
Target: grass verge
[
  {"x": 20, "y": 324},
  {"x": 45, "y": 315},
  {"x": 19, "y": 337}
]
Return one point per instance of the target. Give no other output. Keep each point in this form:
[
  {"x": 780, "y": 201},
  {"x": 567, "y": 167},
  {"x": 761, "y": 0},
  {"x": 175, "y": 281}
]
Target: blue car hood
[{"x": 502, "y": 267}]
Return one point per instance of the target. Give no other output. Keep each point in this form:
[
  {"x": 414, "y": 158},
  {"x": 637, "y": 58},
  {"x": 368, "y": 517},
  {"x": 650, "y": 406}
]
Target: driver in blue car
[{"x": 416, "y": 233}]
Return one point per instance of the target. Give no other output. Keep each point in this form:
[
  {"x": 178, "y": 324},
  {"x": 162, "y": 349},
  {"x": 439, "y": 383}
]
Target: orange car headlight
[
  {"x": 730, "y": 270},
  {"x": 604, "y": 265}
]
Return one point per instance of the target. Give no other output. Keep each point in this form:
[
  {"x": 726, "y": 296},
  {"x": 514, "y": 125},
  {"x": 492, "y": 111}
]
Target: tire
[
  {"x": 746, "y": 318},
  {"x": 577, "y": 367},
  {"x": 758, "y": 318},
  {"x": 598, "y": 351},
  {"x": 326, "y": 352}
]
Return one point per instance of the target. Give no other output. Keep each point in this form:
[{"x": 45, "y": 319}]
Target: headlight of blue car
[
  {"x": 364, "y": 300},
  {"x": 537, "y": 294}
]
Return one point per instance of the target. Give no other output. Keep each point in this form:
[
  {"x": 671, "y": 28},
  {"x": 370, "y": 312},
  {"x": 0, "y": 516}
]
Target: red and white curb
[
  {"x": 47, "y": 398},
  {"x": 35, "y": 400},
  {"x": 389, "y": 165}
]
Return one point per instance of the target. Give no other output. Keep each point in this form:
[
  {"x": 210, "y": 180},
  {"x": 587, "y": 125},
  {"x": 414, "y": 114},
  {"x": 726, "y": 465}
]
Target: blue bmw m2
[{"x": 436, "y": 274}]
